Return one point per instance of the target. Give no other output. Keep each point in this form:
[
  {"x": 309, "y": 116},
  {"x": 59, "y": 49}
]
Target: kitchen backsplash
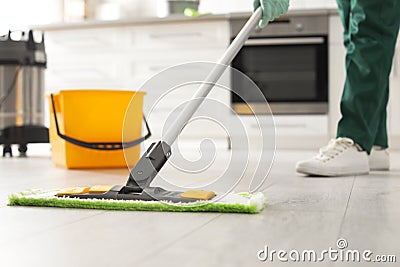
[
  {"x": 153, "y": 8},
  {"x": 227, "y": 6},
  {"x": 15, "y": 17},
  {"x": 301, "y": 4},
  {"x": 148, "y": 7}
]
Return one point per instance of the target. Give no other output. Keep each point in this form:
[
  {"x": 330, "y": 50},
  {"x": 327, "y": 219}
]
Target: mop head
[{"x": 231, "y": 203}]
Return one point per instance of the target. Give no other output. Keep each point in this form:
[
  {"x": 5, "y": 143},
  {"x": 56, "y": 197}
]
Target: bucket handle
[{"x": 99, "y": 145}]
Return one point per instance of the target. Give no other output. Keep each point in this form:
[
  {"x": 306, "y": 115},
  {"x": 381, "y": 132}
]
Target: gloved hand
[{"x": 271, "y": 9}]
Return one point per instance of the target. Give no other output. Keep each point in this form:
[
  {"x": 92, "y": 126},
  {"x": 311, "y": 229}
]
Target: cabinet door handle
[{"x": 175, "y": 35}]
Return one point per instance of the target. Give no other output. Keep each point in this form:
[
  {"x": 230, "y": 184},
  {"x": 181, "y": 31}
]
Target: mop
[{"x": 137, "y": 194}]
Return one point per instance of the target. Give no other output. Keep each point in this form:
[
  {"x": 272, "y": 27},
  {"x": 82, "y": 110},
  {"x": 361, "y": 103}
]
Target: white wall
[
  {"x": 226, "y": 6},
  {"x": 152, "y": 8},
  {"x": 302, "y": 4},
  {"x": 18, "y": 14},
  {"x": 136, "y": 8}
]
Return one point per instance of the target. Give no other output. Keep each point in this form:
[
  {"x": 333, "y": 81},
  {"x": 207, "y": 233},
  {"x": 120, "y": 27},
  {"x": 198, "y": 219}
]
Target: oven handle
[{"x": 285, "y": 41}]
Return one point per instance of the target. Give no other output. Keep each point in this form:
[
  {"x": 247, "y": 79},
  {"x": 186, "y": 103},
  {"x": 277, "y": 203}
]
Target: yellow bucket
[{"x": 86, "y": 128}]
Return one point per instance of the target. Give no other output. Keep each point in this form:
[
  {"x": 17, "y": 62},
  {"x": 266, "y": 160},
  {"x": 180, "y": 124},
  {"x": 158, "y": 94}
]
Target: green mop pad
[{"x": 231, "y": 203}]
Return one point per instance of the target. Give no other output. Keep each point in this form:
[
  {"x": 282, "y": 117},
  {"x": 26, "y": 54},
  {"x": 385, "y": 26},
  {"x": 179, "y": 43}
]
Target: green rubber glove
[{"x": 271, "y": 9}]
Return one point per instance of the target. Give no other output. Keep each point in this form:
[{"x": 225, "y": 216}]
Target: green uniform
[{"x": 370, "y": 32}]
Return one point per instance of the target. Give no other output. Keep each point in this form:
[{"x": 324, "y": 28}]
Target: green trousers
[{"x": 370, "y": 32}]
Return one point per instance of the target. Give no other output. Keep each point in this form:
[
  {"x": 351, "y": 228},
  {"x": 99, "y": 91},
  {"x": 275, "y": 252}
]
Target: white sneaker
[
  {"x": 341, "y": 157},
  {"x": 379, "y": 159}
]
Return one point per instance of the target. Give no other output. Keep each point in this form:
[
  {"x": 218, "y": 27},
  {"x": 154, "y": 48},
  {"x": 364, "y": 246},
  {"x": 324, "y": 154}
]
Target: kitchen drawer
[
  {"x": 289, "y": 125},
  {"x": 159, "y": 101},
  {"x": 149, "y": 64},
  {"x": 179, "y": 36},
  {"x": 307, "y": 125},
  {"x": 96, "y": 73},
  {"x": 139, "y": 69},
  {"x": 203, "y": 127},
  {"x": 86, "y": 41},
  {"x": 196, "y": 129},
  {"x": 158, "y": 105}
]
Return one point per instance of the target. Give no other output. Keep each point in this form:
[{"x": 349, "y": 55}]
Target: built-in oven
[{"x": 288, "y": 60}]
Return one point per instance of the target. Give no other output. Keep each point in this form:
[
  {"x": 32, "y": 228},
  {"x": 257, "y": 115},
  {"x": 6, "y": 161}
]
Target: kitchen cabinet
[
  {"x": 291, "y": 131},
  {"x": 125, "y": 56},
  {"x": 84, "y": 58}
]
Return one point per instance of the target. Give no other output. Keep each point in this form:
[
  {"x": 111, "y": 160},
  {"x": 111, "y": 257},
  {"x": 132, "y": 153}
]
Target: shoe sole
[{"x": 315, "y": 172}]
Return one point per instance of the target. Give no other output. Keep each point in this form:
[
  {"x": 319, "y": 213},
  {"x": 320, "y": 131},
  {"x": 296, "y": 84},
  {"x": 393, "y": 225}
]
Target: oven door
[{"x": 291, "y": 72}]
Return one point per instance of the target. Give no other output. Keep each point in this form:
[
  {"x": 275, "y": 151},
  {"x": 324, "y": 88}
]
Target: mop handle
[{"x": 216, "y": 73}]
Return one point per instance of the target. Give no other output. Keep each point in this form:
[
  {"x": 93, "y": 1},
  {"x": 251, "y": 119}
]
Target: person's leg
[
  {"x": 369, "y": 36},
  {"x": 373, "y": 29}
]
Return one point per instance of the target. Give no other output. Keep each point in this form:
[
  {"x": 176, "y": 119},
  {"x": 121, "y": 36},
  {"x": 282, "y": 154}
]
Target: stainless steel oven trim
[
  {"x": 304, "y": 25},
  {"x": 284, "y": 41},
  {"x": 283, "y": 108}
]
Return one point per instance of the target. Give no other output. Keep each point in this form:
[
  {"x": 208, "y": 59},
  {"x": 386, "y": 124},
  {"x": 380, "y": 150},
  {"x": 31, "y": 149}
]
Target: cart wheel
[
  {"x": 7, "y": 150},
  {"x": 22, "y": 150}
]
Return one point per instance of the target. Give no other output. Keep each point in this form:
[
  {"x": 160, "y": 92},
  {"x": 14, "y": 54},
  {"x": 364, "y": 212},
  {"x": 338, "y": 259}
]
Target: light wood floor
[{"x": 302, "y": 213}]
